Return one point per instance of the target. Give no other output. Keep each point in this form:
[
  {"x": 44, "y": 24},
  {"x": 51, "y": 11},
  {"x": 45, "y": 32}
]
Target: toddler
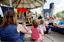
[{"x": 36, "y": 32}]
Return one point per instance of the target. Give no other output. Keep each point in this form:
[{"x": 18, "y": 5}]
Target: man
[
  {"x": 60, "y": 27},
  {"x": 55, "y": 21},
  {"x": 61, "y": 23}
]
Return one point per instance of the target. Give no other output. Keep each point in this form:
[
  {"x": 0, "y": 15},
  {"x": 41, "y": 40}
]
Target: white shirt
[
  {"x": 56, "y": 21},
  {"x": 43, "y": 27}
]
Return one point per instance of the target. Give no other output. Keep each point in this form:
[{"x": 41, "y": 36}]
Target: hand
[{"x": 55, "y": 25}]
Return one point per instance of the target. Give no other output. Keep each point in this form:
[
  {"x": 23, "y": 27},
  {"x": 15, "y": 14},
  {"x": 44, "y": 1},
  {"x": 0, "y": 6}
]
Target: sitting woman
[
  {"x": 9, "y": 31},
  {"x": 29, "y": 17}
]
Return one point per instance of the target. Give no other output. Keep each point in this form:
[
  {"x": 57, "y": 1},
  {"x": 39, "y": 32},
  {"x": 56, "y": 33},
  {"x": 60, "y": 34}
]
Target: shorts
[{"x": 29, "y": 18}]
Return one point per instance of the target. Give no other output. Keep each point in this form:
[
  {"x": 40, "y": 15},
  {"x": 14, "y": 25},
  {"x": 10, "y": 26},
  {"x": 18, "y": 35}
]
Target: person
[
  {"x": 47, "y": 22},
  {"x": 22, "y": 35},
  {"x": 36, "y": 31},
  {"x": 61, "y": 23},
  {"x": 29, "y": 16},
  {"x": 48, "y": 30},
  {"x": 36, "y": 15},
  {"x": 42, "y": 25},
  {"x": 47, "y": 16},
  {"x": 40, "y": 17},
  {"x": 51, "y": 21},
  {"x": 59, "y": 27},
  {"x": 9, "y": 31},
  {"x": 55, "y": 21}
]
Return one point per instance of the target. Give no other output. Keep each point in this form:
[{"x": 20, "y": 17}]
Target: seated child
[
  {"x": 36, "y": 32},
  {"x": 51, "y": 21},
  {"x": 48, "y": 30},
  {"x": 42, "y": 25},
  {"x": 22, "y": 35}
]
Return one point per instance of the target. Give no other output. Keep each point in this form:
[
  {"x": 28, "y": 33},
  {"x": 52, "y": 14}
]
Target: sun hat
[{"x": 51, "y": 17}]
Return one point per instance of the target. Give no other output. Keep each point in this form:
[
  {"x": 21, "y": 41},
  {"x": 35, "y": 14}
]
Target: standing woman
[{"x": 9, "y": 31}]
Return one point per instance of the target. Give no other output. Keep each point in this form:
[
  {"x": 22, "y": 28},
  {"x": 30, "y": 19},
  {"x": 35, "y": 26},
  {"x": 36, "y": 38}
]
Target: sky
[{"x": 58, "y": 6}]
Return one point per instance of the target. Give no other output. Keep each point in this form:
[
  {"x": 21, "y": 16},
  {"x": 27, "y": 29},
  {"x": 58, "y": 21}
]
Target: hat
[{"x": 51, "y": 17}]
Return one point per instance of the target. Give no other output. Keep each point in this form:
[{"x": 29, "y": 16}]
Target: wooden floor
[{"x": 52, "y": 37}]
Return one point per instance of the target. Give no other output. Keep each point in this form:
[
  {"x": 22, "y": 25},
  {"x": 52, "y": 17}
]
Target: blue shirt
[
  {"x": 9, "y": 33},
  {"x": 61, "y": 23},
  {"x": 22, "y": 35}
]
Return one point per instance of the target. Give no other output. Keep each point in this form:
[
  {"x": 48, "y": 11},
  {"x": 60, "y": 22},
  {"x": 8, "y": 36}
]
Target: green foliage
[
  {"x": 62, "y": 12},
  {"x": 59, "y": 14},
  {"x": 54, "y": 15}
]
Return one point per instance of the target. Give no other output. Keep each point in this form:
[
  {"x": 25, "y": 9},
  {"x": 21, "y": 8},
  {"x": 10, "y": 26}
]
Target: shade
[{"x": 24, "y": 3}]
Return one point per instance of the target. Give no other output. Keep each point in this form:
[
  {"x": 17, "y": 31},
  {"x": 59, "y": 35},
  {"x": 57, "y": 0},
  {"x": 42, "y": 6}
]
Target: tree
[
  {"x": 62, "y": 12},
  {"x": 59, "y": 14}
]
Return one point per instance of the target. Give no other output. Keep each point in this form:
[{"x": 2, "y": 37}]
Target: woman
[
  {"x": 29, "y": 17},
  {"x": 9, "y": 31}
]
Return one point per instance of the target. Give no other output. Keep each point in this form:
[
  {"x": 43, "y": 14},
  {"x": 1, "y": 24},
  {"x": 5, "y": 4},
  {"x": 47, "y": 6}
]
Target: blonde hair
[
  {"x": 42, "y": 21},
  {"x": 35, "y": 23},
  {"x": 9, "y": 18}
]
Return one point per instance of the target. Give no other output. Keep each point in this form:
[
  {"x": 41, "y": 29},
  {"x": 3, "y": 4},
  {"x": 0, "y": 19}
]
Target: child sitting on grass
[
  {"x": 22, "y": 35},
  {"x": 42, "y": 25},
  {"x": 36, "y": 31}
]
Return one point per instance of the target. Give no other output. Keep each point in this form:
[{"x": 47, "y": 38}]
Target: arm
[
  {"x": 61, "y": 26},
  {"x": 21, "y": 29},
  {"x": 40, "y": 31},
  {"x": 55, "y": 25}
]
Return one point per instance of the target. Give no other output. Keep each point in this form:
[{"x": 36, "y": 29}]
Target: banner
[{"x": 47, "y": 11}]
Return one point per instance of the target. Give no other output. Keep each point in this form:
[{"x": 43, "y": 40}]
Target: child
[
  {"x": 22, "y": 35},
  {"x": 51, "y": 20},
  {"x": 36, "y": 32},
  {"x": 42, "y": 25}
]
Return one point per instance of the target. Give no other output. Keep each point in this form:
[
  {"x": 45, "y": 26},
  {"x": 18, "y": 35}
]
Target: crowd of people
[{"x": 11, "y": 31}]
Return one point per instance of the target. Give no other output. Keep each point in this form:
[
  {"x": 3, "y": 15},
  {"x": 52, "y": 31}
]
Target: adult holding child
[{"x": 9, "y": 31}]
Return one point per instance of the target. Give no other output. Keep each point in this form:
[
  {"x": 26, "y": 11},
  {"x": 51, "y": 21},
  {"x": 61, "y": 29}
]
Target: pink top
[{"x": 36, "y": 33}]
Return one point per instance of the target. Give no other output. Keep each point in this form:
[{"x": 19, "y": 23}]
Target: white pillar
[
  {"x": 42, "y": 8},
  {"x": 10, "y": 3}
]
